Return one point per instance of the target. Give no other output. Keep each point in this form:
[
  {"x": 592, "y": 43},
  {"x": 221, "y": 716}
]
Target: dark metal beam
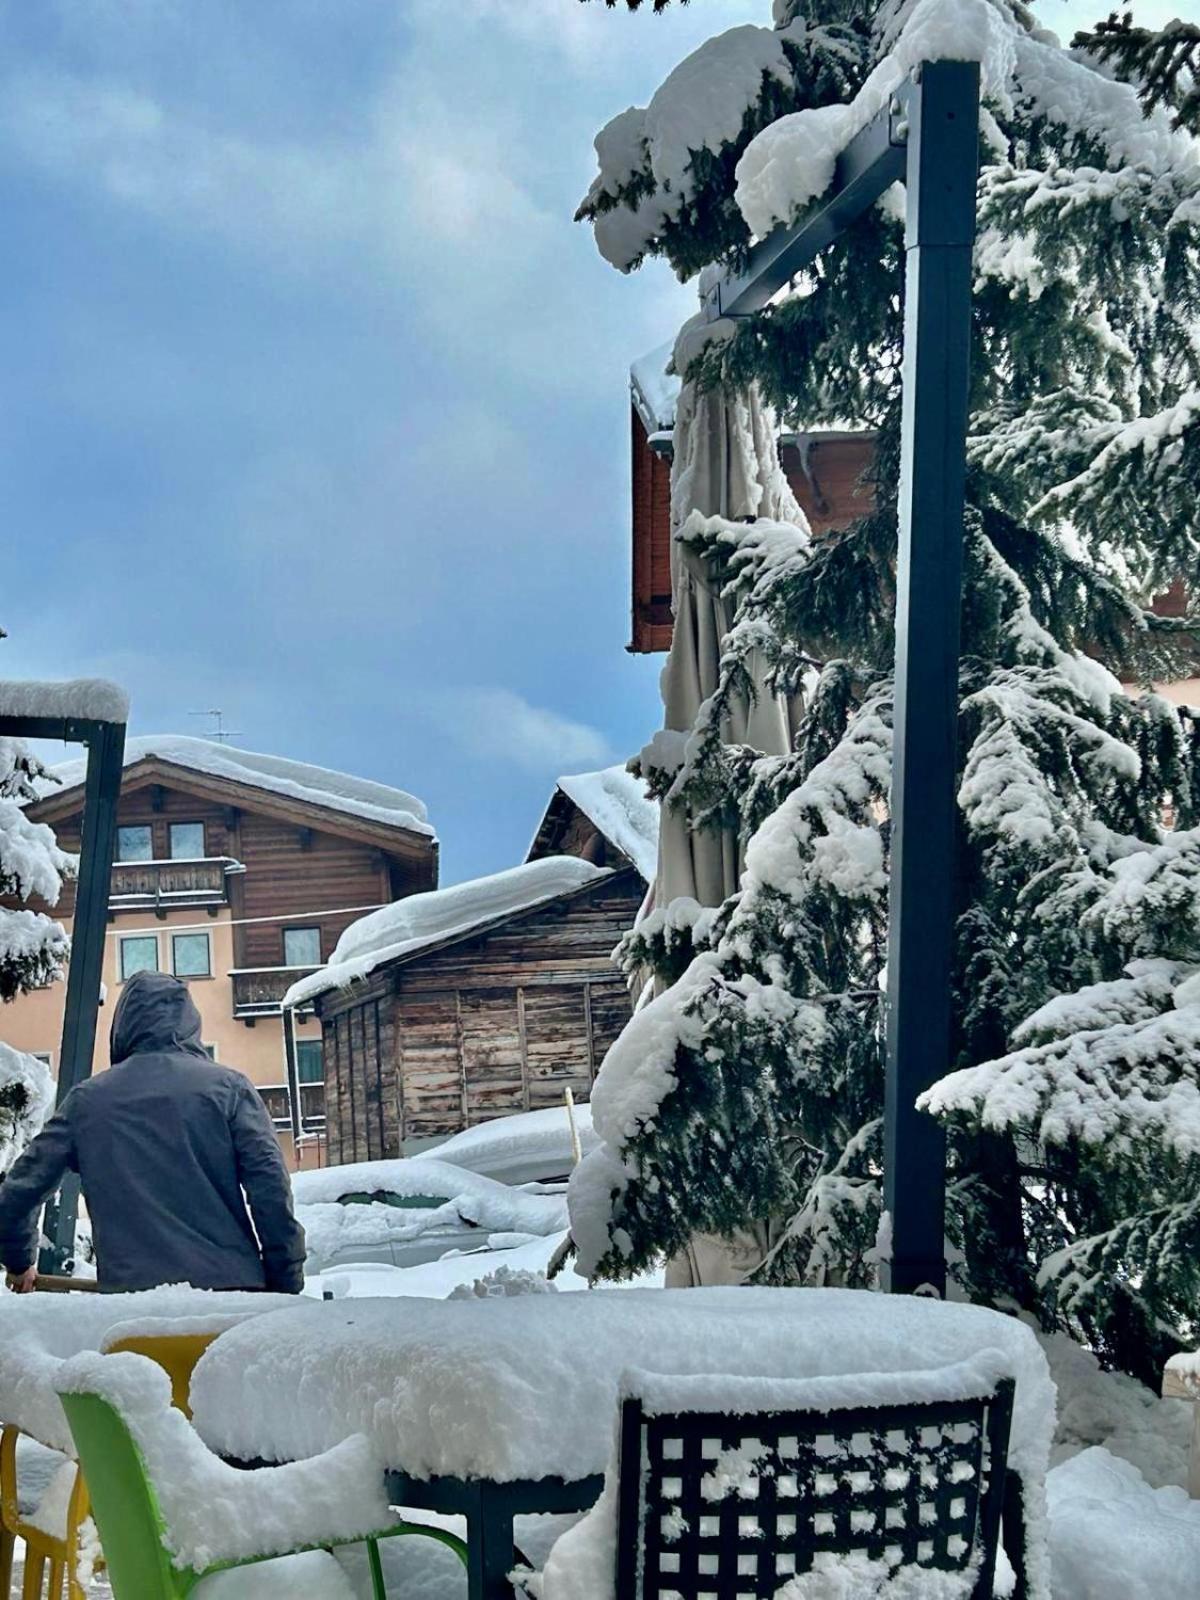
[
  {"x": 106, "y": 757},
  {"x": 942, "y": 173},
  {"x": 872, "y": 161}
]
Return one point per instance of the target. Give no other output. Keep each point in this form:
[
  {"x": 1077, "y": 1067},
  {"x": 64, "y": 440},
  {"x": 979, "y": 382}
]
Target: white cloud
[{"x": 502, "y": 726}]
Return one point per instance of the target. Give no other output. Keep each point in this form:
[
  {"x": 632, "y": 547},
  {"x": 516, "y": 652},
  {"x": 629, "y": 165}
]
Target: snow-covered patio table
[{"x": 491, "y": 1408}]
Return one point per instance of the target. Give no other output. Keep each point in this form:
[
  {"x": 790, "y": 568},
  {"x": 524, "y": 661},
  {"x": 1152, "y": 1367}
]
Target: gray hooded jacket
[{"x": 170, "y": 1149}]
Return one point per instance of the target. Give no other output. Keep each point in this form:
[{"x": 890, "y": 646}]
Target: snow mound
[
  {"x": 419, "y": 920},
  {"x": 465, "y": 1196},
  {"x": 295, "y": 780},
  {"x": 524, "y": 1148},
  {"x": 1113, "y": 1537},
  {"x": 618, "y": 804}
]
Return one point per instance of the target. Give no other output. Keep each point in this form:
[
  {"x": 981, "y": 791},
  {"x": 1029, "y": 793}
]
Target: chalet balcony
[
  {"x": 259, "y": 991},
  {"x": 162, "y": 886}
]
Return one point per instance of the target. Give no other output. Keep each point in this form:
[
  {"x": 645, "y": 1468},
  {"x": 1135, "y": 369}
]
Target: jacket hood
[{"x": 155, "y": 1012}]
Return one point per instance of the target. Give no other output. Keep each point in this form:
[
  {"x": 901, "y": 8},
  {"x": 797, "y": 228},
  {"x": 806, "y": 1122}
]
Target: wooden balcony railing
[
  {"x": 163, "y": 886},
  {"x": 259, "y": 991}
]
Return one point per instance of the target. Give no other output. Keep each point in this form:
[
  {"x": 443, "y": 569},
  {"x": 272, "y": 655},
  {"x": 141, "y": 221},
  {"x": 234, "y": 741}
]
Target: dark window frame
[
  {"x": 192, "y": 933},
  {"x": 182, "y": 823},
  {"x": 137, "y": 938},
  {"x": 304, "y": 927}
]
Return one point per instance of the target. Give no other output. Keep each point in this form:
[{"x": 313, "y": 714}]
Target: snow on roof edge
[
  {"x": 297, "y": 780},
  {"x": 617, "y": 803},
  {"x": 438, "y": 916}
]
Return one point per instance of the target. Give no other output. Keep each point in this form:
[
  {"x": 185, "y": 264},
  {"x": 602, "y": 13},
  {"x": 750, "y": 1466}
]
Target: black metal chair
[{"x": 729, "y": 1507}]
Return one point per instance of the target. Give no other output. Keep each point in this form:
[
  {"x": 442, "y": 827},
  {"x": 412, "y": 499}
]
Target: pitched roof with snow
[
  {"x": 624, "y": 813},
  {"x": 655, "y": 391},
  {"x": 293, "y": 780},
  {"x": 411, "y": 925}
]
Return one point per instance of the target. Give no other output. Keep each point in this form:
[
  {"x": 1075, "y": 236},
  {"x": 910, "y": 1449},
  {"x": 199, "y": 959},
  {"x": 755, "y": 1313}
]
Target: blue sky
[{"x": 315, "y": 401}]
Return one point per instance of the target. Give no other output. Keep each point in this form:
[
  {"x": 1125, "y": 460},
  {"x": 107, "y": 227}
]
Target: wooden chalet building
[
  {"x": 487, "y": 998},
  {"x": 603, "y": 817},
  {"x": 825, "y": 469},
  {"x": 239, "y": 873}
]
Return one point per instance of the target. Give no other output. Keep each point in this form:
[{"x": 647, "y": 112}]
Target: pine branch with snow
[
  {"x": 748, "y": 1095},
  {"x": 1163, "y": 64}
]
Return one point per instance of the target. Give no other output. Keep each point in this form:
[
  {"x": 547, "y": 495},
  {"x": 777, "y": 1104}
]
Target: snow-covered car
[
  {"x": 406, "y": 1212},
  {"x": 528, "y": 1147}
]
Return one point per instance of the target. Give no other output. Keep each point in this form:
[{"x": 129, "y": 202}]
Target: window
[
  {"x": 190, "y": 955},
  {"x": 135, "y": 844},
  {"x": 139, "y": 953},
  {"x": 210, "y": 1050},
  {"x": 46, "y": 1057},
  {"x": 302, "y": 947},
  {"x": 187, "y": 841},
  {"x": 310, "y": 1064}
]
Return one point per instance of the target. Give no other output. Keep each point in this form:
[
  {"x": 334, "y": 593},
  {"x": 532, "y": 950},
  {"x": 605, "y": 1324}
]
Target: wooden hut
[{"x": 466, "y": 1004}]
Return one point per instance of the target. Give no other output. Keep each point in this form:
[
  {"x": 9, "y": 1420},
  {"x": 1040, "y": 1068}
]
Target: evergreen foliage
[
  {"x": 33, "y": 947},
  {"x": 1164, "y": 63},
  {"x": 753, "y": 1088}
]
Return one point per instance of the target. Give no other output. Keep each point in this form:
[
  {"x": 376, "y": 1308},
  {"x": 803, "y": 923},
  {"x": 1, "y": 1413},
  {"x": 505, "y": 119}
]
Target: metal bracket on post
[
  {"x": 942, "y": 174},
  {"x": 929, "y": 136}
]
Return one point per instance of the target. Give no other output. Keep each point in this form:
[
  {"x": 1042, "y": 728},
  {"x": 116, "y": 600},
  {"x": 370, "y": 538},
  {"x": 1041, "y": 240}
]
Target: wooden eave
[{"x": 393, "y": 839}]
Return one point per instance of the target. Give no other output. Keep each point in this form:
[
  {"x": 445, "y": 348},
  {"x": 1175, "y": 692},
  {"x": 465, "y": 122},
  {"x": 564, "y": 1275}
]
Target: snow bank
[
  {"x": 625, "y": 814},
  {"x": 39, "y": 1331},
  {"x": 524, "y": 1148},
  {"x": 295, "y": 780},
  {"x": 791, "y": 163},
  {"x": 212, "y": 1511},
  {"x": 477, "y": 1387},
  {"x": 420, "y": 920},
  {"x": 474, "y": 1197},
  {"x": 1113, "y": 1537}
]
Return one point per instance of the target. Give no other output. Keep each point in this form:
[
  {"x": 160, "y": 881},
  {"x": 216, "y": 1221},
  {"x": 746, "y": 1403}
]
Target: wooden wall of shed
[{"x": 500, "y": 1024}]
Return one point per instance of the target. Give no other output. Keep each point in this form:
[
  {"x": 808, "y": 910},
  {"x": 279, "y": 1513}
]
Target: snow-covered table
[{"x": 496, "y": 1407}]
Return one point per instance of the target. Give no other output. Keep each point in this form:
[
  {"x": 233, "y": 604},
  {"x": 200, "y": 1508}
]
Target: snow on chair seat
[
  {"x": 743, "y": 1489},
  {"x": 174, "y": 1518}
]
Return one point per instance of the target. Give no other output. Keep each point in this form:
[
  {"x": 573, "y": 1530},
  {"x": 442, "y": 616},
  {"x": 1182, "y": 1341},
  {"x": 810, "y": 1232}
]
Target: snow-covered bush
[
  {"x": 749, "y": 1096},
  {"x": 33, "y": 948}
]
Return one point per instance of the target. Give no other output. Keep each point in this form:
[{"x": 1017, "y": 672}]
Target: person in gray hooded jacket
[{"x": 175, "y": 1155}]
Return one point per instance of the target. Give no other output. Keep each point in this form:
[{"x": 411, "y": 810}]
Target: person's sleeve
[
  {"x": 31, "y": 1180},
  {"x": 268, "y": 1189}
]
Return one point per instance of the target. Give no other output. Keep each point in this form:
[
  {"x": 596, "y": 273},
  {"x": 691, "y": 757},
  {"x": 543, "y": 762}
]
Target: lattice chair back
[{"x": 729, "y": 1487}]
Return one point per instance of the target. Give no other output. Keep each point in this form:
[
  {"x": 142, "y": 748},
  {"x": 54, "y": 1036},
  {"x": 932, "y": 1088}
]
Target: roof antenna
[{"x": 218, "y": 734}]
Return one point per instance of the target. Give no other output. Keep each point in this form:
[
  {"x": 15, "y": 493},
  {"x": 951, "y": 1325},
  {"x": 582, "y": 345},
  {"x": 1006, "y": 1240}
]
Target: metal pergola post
[
  {"x": 105, "y": 743},
  {"x": 928, "y": 136}
]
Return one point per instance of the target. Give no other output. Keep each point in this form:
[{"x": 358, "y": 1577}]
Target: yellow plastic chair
[{"x": 51, "y": 1561}]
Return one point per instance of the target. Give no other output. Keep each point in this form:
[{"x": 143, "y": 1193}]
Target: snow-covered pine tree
[
  {"x": 752, "y": 1088},
  {"x": 33, "y": 947},
  {"x": 1163, "y": 64}
]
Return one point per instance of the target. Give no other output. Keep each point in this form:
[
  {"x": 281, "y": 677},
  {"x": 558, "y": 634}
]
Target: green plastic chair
[{"x": 131, "y": 1524}]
